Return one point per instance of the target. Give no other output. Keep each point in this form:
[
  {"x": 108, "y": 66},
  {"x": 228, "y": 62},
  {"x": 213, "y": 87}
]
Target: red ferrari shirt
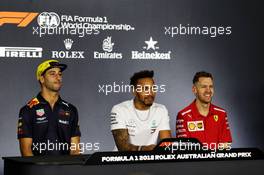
[{"x": 213, "y": 128}]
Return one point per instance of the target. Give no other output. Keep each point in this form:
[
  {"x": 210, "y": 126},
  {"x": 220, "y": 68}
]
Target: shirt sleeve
[
  {"x": 225, "y": 131},
  {"x": 165, "y": 121},
  {"x": 181, "y": 127},
  {"x": 75, "y": 128},
  {"x": 24, "y": 128},
  {"x": 117, "y": 119}
]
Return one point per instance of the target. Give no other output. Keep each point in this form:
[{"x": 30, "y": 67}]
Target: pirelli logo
[
  {"x": 21, "y": 52},
  {"x": 22, "y": 19}
]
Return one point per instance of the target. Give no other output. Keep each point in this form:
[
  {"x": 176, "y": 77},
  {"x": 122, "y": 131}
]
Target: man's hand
[{"x": 148, "y": 148}]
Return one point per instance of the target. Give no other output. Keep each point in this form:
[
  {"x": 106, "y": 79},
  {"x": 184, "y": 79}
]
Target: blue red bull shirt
[{"x": 50, "y": 129}]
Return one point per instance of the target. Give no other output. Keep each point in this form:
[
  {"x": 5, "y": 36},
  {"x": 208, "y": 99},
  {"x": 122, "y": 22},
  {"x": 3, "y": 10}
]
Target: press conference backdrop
[{"x": 105, "y": 42}]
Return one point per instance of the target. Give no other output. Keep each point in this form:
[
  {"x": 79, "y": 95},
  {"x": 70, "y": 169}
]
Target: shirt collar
[
  {"x": 151, "y": 107},
  {"x": 195, "y": 109},
  {"x": 43, "y": 101}
]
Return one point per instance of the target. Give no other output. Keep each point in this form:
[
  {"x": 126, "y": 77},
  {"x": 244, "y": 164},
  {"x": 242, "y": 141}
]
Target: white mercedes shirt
[{"x": 143, "y": 125}]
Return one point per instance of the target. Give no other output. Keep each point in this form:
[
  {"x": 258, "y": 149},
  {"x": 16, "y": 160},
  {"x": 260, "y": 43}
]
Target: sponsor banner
[
  {"x": 68, "y": 53},
  {"x": 21, "y": 52},
  {"x": 104, "y": 158},
  {"x": 150, "y": 52},
  {"x": 21, "y": 19},
  {"x": 107, "y": 47},
  {"x": 52, "y": 23}
]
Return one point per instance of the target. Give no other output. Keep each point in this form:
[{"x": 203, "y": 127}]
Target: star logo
[{"x": 151, "y": 44}]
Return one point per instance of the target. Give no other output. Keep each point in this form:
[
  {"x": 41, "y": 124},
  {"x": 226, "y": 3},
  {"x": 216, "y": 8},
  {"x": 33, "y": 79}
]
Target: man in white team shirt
[{"x": 137, "y": 124}]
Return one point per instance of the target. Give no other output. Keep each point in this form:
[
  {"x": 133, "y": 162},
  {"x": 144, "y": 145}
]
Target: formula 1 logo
[{"x": 22, "y": 19}]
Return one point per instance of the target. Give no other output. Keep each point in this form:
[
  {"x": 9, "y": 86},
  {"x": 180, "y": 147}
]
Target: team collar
[
  {"x": 195, "y": 109},
  {"x": 43, "y": 101},
  {"x": 133, "y": 106}
]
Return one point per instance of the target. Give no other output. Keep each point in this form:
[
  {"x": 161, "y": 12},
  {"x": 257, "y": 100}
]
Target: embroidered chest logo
[
  {"x": 40, "y": 112},
  {"x": 64, "y": 113},
  {"x": 153, "y": 126},
  {"x": 200, "y": 125},
  {"x": 195, "y": 126},
  {"x": 191, "y": 126},
  {"x": 215, "y": 118}
]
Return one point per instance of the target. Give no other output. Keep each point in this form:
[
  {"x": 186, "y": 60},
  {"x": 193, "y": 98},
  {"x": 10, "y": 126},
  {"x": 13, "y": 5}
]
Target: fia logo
[{"x": 48, "y": 20}]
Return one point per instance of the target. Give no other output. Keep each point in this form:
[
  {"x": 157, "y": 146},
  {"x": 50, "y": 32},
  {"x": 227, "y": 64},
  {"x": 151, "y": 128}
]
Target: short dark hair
[
  {"x": 201, "y": 74},
  {"x": 141, "y": 74}
]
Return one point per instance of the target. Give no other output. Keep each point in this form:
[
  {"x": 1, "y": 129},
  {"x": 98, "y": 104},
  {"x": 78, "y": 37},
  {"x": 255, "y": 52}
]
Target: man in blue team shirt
[{"x": 48, "y": 125}]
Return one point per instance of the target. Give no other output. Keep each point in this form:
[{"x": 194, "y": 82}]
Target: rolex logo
[
  {"x": 68, "y": 43},
  {"x": 67, "y": 54}
]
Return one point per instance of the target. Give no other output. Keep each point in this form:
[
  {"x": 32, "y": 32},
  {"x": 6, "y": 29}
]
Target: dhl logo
[{"x": 22, "y": 19}]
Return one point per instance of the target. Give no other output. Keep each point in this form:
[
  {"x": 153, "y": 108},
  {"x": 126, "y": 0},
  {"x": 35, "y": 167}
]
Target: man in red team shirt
[{"x": 201, "y": 119}]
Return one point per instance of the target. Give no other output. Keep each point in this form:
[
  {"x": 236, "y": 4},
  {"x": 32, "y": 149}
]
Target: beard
[
  {"x": 148, "y": 101},
  {"x": 54, "y": 87},
  {"x": 204, "y": 99}
]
